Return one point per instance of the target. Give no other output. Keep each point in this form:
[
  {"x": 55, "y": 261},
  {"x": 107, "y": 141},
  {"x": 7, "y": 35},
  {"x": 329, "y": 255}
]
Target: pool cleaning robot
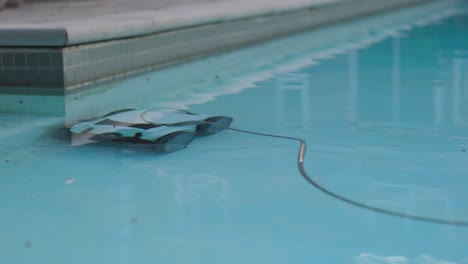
[{"x": 166, "y": 130}]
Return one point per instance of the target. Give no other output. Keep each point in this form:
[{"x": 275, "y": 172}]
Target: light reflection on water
[{"x": 386, "y": 124}]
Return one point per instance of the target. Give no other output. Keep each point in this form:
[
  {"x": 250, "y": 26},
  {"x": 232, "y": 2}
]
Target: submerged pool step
[{"x": 63, "y": 59}]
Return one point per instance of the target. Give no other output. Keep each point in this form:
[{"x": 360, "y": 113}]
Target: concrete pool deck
[{"x": 63, "y": 46}]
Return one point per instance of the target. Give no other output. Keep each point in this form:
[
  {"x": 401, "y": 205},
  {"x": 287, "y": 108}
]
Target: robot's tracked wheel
[
  {"x": 173, "y": 142},
  {"x": 214, "y": 125}
]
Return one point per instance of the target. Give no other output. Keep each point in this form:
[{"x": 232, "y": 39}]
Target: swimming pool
[{"x": 386, "y": 123}]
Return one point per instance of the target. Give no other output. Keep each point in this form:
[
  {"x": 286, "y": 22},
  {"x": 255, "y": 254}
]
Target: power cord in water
[{"x": 300, "y": 165}]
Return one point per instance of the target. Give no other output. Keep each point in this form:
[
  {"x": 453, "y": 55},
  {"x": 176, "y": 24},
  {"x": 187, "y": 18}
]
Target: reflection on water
[
  {"x": 460, "y": 90},
  {"x": 287, "y": 85},
  {"x": 432, "y": 93},
  {"x": 400, "y": 104},
  {"x": 400, "y": 92},
  {"x": 371, "y": 258}
]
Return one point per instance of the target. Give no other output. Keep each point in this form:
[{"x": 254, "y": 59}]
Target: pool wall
[{"x": 65, "y": 58}]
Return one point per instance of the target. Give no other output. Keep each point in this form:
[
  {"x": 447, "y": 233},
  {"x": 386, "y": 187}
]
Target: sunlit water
[{"x": 386, "y": 124}]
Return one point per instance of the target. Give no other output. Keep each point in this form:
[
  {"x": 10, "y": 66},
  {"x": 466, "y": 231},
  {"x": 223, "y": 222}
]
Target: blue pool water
[{"x": 386, "y": 123}]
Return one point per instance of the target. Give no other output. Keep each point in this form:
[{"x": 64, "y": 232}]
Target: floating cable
[{"x": 300, "y": 165}]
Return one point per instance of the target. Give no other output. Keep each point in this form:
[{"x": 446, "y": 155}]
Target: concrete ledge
[
  {"x": 109, "y": 27},
  {"x": 97, "y": 58},
  {"x": 144, "y": 23},
  {"x": 27, "y": 36}
]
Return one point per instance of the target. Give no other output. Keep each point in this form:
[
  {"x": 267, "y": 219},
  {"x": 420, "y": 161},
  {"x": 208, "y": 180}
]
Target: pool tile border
[{"x": 31, "y": 67}]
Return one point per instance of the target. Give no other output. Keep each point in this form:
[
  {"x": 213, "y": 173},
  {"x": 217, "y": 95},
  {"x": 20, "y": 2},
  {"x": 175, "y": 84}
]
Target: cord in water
[{"x": 300, "y": 165}]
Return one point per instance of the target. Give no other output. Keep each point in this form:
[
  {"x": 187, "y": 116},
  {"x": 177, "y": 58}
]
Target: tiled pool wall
[
  {"x": 67, "y": 64},
  {"x": 26, "y": 67}
]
